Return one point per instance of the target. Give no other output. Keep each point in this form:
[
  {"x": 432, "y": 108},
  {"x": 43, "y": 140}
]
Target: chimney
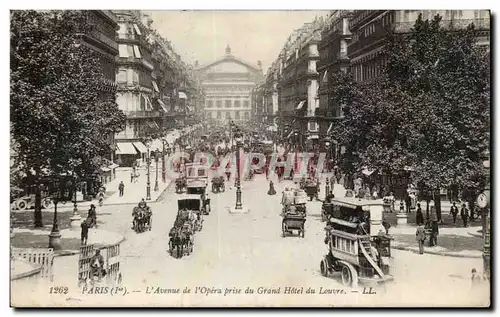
[
  {"x": 196, "y": 64},
  {"x": 259, "y": 64},
  {"x": 228, "y": 50}
]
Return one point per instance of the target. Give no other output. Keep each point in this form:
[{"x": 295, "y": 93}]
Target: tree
[
  {"x": 428, "y": 111},
  {"x": 59, "y": 118}
]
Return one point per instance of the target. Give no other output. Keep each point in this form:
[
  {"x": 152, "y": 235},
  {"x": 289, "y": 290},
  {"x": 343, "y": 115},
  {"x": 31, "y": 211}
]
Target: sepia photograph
[{"x": 250, "y": 158}]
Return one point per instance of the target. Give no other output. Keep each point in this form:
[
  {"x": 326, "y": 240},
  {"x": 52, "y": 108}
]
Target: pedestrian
[
  {"x": 475, "y": 278},
  {"x": 420, "y": 237},
  {"x": 85, "y": 232},
  {"x": 434, "y": 233},
  {"x": 408, "y": 203},
  {"x": 401, "y": 207},
  {"x": 454, "y": 212},
  {"x": 121, "y": 188},
  {"x": 132, "y": 174},
  {"x": 420, "y": 215},
  {"x": 464, "y": 214},
  {"x": 271, "y": 190}
]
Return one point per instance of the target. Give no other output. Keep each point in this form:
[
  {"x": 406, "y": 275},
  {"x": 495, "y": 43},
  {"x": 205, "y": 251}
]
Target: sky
[{"x": 252, "y": 35}]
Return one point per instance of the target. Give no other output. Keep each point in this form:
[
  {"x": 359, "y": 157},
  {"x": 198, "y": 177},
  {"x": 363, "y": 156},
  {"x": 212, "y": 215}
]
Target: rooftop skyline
[{"x": 252, "y": 35}]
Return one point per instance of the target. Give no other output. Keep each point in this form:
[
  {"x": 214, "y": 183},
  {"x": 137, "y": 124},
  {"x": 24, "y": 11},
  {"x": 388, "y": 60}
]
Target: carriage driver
[{"x": 143, "y": 204}]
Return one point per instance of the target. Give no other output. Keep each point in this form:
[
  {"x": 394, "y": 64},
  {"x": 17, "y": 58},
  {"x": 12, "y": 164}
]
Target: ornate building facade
[
  {"x": 298, "y": 86},
  {"x": 370, "y": 28},
  {"x": 227, "y": 84}
]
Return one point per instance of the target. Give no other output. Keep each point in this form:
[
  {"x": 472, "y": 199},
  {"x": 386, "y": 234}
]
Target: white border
[{"x": 190, "y": 5}]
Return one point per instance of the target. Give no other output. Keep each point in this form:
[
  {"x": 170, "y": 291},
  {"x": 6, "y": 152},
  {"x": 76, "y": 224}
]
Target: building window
[
  {"x": 228, "y": 104},
  {"x": 246, "y": 104},
  {"x": 219, "y": 114},
  {"x": 121, "y": 77},
  {"x": 236, "y": 114},
  {"x": 247, "y": 115},
  {"x": 237, "y": 104},
  {"x": 219, "y": 104},
  {"x": 129, "y": 51},
  {"x": 228, "y": 115},
  {"x": 210, "y": 104}
]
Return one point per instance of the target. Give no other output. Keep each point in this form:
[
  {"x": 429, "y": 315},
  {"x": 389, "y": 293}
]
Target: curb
[
  {"x": 69, "y": 208},
  {"x": 475, "y": 235},
  {"x": 75, "y": 252},
  {"x": 454, "y": 255}
]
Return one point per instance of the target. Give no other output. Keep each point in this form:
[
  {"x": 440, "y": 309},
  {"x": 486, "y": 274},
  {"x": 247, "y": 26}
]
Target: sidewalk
[
  {"x": 454, "y": 242},
  {"x": 70, "y": 240},
  {"x": 134, "y": 192}
]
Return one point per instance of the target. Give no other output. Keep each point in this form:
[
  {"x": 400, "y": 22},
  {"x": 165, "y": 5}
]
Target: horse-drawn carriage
[
  {"x": 357, "y": 244},
  {"x": 189, "y": 220},
  {"x": 218, "y": 184},
  {"x": 311, "y": 187},
  {"x": 294, "y": 218},
  {"x": 199, "y": 187},
  {"x": 142, "y": 219},
  {"x": 180, "y": 184}
]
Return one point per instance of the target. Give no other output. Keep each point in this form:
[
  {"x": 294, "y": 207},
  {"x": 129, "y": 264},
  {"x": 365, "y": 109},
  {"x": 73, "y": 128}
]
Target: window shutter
[
  {"x": 137, "y": 51},
  {"x": 137, "y": 30}
]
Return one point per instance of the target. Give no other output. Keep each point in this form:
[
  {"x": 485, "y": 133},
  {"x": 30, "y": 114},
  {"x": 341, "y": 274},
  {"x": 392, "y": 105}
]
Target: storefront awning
[
  {"x": 140, "y": 147},
  {"x": 155, "y": 86},
  {"x": 157, "y": 145},
  {"x": 313, "y": 137},
  {"x": 367, "y": 171},
  {"x": 153, "y": 125},
  {"x": 125, "y": 149},
  {"x": 163, "y": 105},
  {"x": 301, "y": 104},
  {"x": 329, "y": 128},
  {"x": 113, "y": 166},
  {"x": 182, "y": 95},
  {"x": 105, "y": 169}
]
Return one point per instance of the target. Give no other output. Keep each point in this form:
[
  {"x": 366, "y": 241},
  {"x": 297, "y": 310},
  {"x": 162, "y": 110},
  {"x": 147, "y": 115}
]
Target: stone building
[
  {"x": 369, "y": 30},
  {"x": 298, "y": 86},
  {"x": 136, "y": 88},
  {"x": 227, "y": 84},
  {"x": 335, "y": 37},
  {"x": 101, "y": 40}
]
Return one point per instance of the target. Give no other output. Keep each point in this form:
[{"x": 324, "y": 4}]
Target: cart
[
  {"x": 312, "y": 190},
  {"x": 293, "y": 222}
]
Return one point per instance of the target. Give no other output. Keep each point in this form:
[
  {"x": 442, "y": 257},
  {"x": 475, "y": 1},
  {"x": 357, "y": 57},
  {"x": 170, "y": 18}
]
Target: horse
[
  {"x": 141, "y": 218},
  {"x": 176, "y": 241}
]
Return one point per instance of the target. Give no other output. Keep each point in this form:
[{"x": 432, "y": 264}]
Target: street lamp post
[
  {"x": 163, "y": 172},
  {"x": 148, "y": 163},
  {"x": 239, "y": 205},
  {"x": 157, "y": 158},
  {"x": 76, "y": 219},
  {"x": 483, "y": 201},
  {"x": 55, "y": 236}
]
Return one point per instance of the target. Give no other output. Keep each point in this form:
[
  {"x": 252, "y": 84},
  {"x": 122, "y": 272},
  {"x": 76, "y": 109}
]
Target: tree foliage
[
  {"x": 428, "y": 111},
  {"x": 59, "y": 118}
]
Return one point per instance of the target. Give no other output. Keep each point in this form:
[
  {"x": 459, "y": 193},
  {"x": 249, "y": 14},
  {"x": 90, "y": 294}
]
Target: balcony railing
[
  {"x": 104, "y": 39},
  {"x": 131, "y": 59},
  {"x": 143, "y": 114}
]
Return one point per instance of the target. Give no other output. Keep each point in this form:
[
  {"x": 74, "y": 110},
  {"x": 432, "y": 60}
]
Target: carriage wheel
[
  {"x": 46, "y": 203},
  {"x": 22, "y": 204},
  {"x": 323, "y": 267},
  {"x": 346, "y": 276}
]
